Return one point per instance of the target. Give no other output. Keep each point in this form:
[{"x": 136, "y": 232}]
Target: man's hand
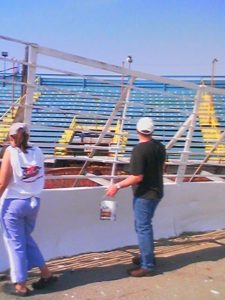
[{"x": 111, "y": 190}]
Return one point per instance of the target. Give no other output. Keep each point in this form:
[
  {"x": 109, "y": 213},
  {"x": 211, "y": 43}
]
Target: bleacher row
[{"x": 61, "y": 100}]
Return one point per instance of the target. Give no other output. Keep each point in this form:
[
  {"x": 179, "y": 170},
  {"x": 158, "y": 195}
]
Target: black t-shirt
[{"x": 148, "y": 159}]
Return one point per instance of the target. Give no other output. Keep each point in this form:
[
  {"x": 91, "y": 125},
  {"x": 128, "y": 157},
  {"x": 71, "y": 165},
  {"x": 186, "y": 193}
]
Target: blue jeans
[{"x": 143, "y": 214}]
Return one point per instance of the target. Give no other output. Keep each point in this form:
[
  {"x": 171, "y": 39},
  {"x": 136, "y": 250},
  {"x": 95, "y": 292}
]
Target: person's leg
[
  {"x": 34, "y": 255},
  {"x": 14, "y": 237},
  {"x": 137, "y": 259},
  {"x": 143, "y": 213}
]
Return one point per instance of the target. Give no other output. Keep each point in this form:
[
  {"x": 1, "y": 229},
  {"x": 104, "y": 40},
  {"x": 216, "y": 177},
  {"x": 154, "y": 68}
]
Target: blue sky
[{"x": 164, "y": 37}]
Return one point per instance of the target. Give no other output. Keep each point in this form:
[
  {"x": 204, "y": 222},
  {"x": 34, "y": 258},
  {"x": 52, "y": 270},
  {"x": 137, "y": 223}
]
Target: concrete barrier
[{"x": 69, "y": 224}]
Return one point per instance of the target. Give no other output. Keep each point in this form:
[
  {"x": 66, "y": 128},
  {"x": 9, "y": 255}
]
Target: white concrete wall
[{"x": 69, "y": 224}]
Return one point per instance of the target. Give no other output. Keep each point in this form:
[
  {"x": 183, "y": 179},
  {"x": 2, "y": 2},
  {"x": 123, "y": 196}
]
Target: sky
[{"x": 164, "y": 37}]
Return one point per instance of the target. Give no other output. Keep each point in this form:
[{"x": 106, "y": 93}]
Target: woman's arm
[{"x": 5, "y": 172}]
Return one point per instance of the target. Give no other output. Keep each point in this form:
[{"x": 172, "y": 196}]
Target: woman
[{"x": 21, "y": 182}]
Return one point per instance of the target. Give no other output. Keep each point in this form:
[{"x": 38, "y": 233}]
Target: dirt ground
[{"x": 190, "y": 267}]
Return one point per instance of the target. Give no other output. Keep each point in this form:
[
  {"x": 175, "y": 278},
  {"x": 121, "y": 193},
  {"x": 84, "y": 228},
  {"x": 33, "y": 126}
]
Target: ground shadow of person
[
  {"x": 76, "y": 277},
  {"x": 83, "y": 276},
  {"x": 174, "y": 262}
]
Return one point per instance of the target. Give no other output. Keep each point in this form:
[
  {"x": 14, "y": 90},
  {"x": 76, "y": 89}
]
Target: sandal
[
  {"x": 20, "y": 293},
  {"x": 43, "y": 283},
  {"x": 11, "y": 290}
]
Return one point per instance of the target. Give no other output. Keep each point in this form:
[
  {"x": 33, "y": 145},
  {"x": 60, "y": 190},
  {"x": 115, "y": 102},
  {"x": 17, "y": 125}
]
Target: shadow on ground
[
  {"x": 79, "y": 277},
  {"x": 74, "y": 276}
]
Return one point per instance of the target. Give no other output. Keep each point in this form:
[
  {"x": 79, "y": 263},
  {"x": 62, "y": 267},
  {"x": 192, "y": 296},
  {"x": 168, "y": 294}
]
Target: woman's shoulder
[
  {"x": 7, "y": 152},
  {"x": 9, "y": 148}
]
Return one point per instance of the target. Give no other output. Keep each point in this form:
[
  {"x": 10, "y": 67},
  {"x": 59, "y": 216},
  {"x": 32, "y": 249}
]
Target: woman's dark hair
[{"x": 21, "y": 140}]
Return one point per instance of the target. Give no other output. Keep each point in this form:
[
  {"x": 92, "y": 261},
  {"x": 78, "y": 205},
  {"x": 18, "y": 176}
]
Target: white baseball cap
[
  {"x": 145, "y": 125},
  {"x": 16, "y": 126}
]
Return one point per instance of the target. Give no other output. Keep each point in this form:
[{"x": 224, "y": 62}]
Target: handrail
[{"x": 9, "y": 109}]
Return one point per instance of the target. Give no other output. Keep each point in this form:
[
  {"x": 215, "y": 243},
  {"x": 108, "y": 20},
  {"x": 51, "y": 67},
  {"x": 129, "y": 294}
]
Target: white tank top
[{"x": 28, "y": 173}]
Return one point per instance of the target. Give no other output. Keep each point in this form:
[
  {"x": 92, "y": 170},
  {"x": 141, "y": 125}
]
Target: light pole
[
  {"x": 4, "y": 54},
  {"x": 122, "y": 79},
  {"x": 215, "y": 60},
  {"x": 129, "y": 60}
]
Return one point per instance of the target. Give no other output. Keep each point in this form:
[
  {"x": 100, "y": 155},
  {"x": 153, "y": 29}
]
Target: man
[{"x": 146, "y": 179}]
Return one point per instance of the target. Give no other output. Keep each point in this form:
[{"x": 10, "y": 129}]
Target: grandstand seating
[{"x": 88, "y": 103}]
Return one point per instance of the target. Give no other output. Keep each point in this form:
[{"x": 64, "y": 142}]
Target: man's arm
[{"x": 130, "y": 180}]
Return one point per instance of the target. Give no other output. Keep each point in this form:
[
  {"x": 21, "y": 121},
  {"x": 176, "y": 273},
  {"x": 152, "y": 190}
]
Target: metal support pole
[
  {"x": 215, "y": 60},
  {"x": 126, "y": 95},
  {"x": 185, "y": 154},
  {"x": 13, "y": 89},
  {"x": 32, "y": 60},
  {"x": 4, "y": 54},
  {"x": 24, "y": 73},
  {"x": 179, "y": 133},
  {"x": 198, "y": 170},
  {"x": 118, "y": 106}
]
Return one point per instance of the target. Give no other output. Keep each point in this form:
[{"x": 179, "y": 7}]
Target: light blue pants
[{"x": 18, "y": 219}]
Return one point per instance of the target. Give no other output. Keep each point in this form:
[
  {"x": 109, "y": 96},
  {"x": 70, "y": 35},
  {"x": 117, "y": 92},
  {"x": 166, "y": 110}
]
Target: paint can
[{"x": 108, "y": 210}]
